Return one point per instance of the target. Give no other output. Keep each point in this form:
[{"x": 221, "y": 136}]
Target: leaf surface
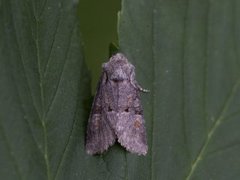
[
  {"x": 44, "y": 92},
  {"x": 187, "y": 54}
]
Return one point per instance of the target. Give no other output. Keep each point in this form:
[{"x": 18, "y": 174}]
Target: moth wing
[
  {"x": 99, "y": 133},
  {"x": 131, "y": 133}
]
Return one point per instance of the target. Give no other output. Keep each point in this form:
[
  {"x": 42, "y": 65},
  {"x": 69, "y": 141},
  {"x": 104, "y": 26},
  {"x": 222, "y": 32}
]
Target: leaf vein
[
  {"x": 153, "y": 90},
  {"x": 183, "y": 68},
  {"x": 42, "y": 100},
  {"x": 28, "y": 86},
  {"x": 25, "y": 115},
  {"x": 42, "y": 9},
  {"x": 60, "y": 78},
  {"x": 225, "y": 148},
  {"x": 52, "y": 45},
  {"x": 73, "y": 125},
  {"x": 213, "y": 129},
  {"x": 24, "y": 71}
]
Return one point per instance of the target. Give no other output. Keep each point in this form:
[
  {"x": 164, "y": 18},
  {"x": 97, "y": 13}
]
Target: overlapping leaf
[
  {"x": 187, "y": 53},
  {"x": 44, "y": 90}
]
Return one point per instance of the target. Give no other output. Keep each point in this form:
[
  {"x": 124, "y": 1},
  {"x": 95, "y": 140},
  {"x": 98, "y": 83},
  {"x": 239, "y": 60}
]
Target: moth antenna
[{"x": 142, "y": 89}]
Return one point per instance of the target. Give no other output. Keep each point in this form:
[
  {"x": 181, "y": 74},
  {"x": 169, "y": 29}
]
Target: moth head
[{"x": 118, "y": 68}]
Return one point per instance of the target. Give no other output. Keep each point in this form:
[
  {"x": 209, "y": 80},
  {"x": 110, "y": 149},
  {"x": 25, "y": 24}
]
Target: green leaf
[
  {"x": 187, "y": 54},
  {"x": 44, "y": 90}
]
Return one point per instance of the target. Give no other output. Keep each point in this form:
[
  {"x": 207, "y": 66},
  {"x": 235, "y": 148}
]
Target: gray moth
[{"x": 116, "y": 112}]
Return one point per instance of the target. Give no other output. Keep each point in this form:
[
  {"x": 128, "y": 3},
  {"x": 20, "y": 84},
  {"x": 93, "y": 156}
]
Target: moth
[{"x": 116, "y": 112}]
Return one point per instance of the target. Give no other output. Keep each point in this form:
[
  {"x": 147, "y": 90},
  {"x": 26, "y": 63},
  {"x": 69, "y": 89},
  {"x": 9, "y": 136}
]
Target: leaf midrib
[{"x": 42, "y": 118}]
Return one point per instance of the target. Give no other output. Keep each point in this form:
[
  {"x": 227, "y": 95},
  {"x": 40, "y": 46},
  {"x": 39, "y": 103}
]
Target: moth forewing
[{"x": 116, "y": 111}]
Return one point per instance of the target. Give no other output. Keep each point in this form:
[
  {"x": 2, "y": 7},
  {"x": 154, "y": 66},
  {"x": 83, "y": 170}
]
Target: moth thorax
[{"x": 119, "y": 75}]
